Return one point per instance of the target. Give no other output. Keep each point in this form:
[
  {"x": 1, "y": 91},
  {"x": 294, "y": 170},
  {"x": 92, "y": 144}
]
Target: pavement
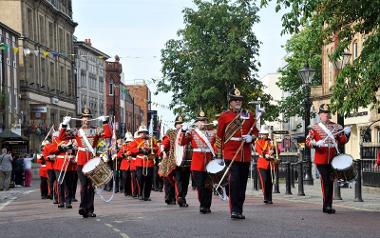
[{"x": 313, "y": 194}]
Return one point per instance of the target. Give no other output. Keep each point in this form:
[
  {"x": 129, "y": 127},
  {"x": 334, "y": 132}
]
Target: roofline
[
  {"x": 9, "y": 29},
  {"x": 93, "y": 49}
]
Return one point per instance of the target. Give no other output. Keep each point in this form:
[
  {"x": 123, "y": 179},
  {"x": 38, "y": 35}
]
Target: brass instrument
[{"x": 150, "y": 156}]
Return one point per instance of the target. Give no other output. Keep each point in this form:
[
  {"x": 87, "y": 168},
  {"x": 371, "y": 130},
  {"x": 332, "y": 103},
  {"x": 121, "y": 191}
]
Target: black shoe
[
  {"x": 55, "y": 202},
  {"x": 203, "y": 210},
  {"x": 135, "y": 197},
  {"x": 49, "y": 197},
  {"x": 329, "y": 210},
  {"x": 82, "y": 212},
  {"x": 140, "y": 198},
  {"x": 173, "y": 202},
  {"x": 91, "y": 214},
  {"x": 147, "y": 199},
  {"x": 43, "y": 197},
  {"x": 235, "y": 215},
  {"x": 265, "y": 201},
  {"x": 61, "y": 205},
  {"x": 75, "y": 200},
  {"x": 181, "y": 202},
  {"x": 69, "y": 206},
  {"x": 269, "y": 202},
  {"x": 208, "y": 210}
]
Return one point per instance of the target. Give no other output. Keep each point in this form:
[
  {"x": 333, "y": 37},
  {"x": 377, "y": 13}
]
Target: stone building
[{"x": 46, "y": 74}]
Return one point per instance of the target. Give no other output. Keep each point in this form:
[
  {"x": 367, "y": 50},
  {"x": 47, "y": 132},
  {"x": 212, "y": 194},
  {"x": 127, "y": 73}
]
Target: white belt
[
  {"x": 236, "y": 138},
  {"x": 83, "y": 149},
  {"x": 201, "y": 150},
  {"x": 63, "y": 156},
  {"x": 142, "y": 157},
  {"x": 327, "y": 146}
]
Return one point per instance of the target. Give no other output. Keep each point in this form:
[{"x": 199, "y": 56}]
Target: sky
[{"x": 137, "y": 30}]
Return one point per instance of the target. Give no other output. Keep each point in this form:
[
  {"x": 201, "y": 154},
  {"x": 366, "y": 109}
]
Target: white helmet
[
  {"x": 136, "y": 135},
  {"x": 142, "y": 128},
  {"x": 128, "y": 137}
]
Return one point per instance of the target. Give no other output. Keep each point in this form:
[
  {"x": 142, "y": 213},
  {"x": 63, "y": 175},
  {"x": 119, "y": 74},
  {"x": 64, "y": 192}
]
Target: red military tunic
[
  {"x": 325, "y": 153},
  {"x": 229, "y": 148},
  {"x": 49, "y": 153},
  {"x": 125, "y": 154},
  {"x": 201, "y": 151},
  {"x": 141, "y": 159},
  {"x": 43, "y": 171},
  {"x": 263, "y": 147},
  {"x": 92, "y": 134}
]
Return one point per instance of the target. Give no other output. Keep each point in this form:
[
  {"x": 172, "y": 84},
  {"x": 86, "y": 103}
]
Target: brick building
[
  {"x": 113, "y": 79},
  {"x": 142, "y": 97}
]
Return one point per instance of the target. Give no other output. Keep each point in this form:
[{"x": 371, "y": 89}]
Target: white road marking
[{"x": 7, "y": 203}]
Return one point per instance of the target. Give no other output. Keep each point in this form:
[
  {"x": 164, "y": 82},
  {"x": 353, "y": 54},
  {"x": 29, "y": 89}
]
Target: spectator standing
[
  {"x": 18, "y": 171},
  {"x": 5, "y": 169},
  {"x": 28, "y": 170}
]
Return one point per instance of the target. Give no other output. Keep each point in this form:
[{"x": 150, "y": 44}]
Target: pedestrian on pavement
[
  {"x": 28, "y": 170},
  {"x": 265, "y": 163},
  {"x": 235, "y": 132},
  {"x": 324, "y": 138},
  {"x": 18, "y": 171},
  {"x": 5, "y": 169}
]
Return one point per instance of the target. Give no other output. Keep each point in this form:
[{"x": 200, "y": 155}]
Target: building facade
[
  {"x": 113, "y": 81},
  {"x": 46, "y": 74},
  {"x": 142, "y": 97},
  {"x": 360, "y": 119},
  {"x": 90, "y": 77},
  {"x": 10, "y": 117}
]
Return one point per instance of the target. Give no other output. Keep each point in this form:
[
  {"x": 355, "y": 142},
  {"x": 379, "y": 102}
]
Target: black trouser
[
  {"x": 134, "y": 185},
  {"x": 157, "y": 180},
  {"x": 44, "y": 187},
  {"x": 126, "y": 182},
  {"x": 87, "y": 192},
  {"x": 74, "y": 183},
  {"x": 181, "y": 178},
  {"x": 266, "y": 183},
  {"x": 237, "y": 185},
  {"x": 52, "y": 184},
  {"x": 65, "y": 189},
  {"x": 327, "y": 183},
  {"x": 169, "y": 190},
  {"x": 144, "y": 181},
  {"x": 204, "y": 193}
]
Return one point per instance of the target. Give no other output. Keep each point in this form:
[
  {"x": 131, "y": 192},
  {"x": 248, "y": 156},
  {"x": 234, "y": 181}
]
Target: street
[{"x": 125, "y": 217}]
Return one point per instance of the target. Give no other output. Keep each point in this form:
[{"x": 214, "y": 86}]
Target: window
[
  {"x": 30, "y": 22},
  {"x": 69, "y": 83},
  {"x": 52, "y": 79},
  {"x": 111, "y": 88},
  {"x": 62, "y": 79},
  {"x": 68, "y": 43},
  {"x": 43, "y": 71},
  {"x": 51, "y": 34},
  {"x": 101, "y": 85},
  {"x": 83, "y": 78},
  {"x": 42, "y": 30},
  {"x": 61, "y": 40}
]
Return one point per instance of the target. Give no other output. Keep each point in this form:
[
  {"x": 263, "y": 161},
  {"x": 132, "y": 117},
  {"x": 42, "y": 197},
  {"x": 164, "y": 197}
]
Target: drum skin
[
  {"x": 216, "y": 169},
  {"x": 343, "y": 167},
  {"x": 98, "y": 171}
]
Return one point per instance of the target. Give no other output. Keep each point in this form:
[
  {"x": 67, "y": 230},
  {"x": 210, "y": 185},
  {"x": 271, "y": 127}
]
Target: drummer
[
  {"x": 202, "y": 141},
  {"x": 84, "y": 154},
  {"x": 324, "y": 137}
]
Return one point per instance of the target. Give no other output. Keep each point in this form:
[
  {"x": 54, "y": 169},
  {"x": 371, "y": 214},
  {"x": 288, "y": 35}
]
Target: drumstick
[{"x": 336, "y": 133}]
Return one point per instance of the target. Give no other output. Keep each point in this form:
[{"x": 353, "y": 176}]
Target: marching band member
[
  {"x": 132, "y": 166},
  {"x": 84, "y": 154},
  {"x": 125, "y": 156},
  {"x": 144, "y": 162},
  {"x": 64, "y": 157},
  {"x": 48, "y": 152},
  {"x": 265, "y": 163},
  {"x": 44, "y": 188},
  {"x": 321, "y": 137},
  {"x": 235, "y": 131},
  {"x": 157, "y": 180},
  {"x": 168, "y": 164},
  {"x": 202, "y": 141}
]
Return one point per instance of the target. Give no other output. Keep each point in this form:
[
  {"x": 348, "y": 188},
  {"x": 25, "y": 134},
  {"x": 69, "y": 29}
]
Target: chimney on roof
[{"x": 87, "y": 42}]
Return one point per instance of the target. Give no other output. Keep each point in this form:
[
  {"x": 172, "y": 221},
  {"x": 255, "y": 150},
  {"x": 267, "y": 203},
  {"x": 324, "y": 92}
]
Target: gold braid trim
[
  {"x": 218, "y": 143},
  {"x": 168, "y": 164}
]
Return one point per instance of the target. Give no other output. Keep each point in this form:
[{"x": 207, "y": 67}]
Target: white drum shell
[
  {"x": 215, "y": 166},
  {"x": 91, "y": 165},
  {"x": 342, "y": 162}
]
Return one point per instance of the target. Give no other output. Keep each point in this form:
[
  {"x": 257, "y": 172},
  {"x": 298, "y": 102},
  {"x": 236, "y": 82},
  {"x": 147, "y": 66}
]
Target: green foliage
[
  {"x": 357, "y": 83},
  {"x": 302, "y": 48},
  {"x": 216, "y": 50}
]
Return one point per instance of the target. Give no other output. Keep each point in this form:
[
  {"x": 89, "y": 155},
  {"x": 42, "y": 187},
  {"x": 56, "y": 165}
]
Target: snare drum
[
  {"x": 216, "y": 169},
  {"x": 98, "y": 171},
  {"x": 343, "y": 167}
]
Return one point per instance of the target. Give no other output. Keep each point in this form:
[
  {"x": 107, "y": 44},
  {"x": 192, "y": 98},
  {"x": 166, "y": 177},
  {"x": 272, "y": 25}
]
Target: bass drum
[
  {"x": 343, "y": 167},
  {"x": 97, "y": 171},
  {"x": 182, "y": 153},
  {"x": 216, "y": 169}
]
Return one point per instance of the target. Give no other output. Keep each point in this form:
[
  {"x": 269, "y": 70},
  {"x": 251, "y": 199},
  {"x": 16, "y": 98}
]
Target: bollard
[
  {"x": 300, "y": 179},
  {"x": 337, "y": 195},
  {"x": 358, "y": 181},
  {"x": 292, "y": 175},
  {"x": 254, "y": 175},
  {"x": 287, "y": 178},
  {"x": 277, "y": 181}
]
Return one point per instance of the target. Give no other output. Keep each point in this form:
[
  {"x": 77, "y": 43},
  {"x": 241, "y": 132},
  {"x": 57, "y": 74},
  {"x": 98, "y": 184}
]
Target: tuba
[{"x": 168, "y": 162}]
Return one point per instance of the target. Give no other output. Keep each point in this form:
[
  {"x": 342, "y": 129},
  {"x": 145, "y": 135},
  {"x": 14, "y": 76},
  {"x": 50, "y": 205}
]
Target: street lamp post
[
  {"x": 307, "y": 74},
  {"x": 339, "y": 65}
]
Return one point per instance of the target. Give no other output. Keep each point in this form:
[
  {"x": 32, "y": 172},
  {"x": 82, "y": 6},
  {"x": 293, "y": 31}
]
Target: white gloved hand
[
  {"x": 185, "y": 127},
  {"x": 347, "y": 130},
  {"x": 103, "y": 118},
  {"x": 319, "y": 143},
  {"x": 66, "y": 120},
  {"x": 247, "y": 138}
]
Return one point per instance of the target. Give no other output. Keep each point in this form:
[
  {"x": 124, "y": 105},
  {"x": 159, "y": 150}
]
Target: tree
[
  {"x": 302, "y": 48},
  {"x": 216, "y": 50},
  {"x": 357, "y": 83}
]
